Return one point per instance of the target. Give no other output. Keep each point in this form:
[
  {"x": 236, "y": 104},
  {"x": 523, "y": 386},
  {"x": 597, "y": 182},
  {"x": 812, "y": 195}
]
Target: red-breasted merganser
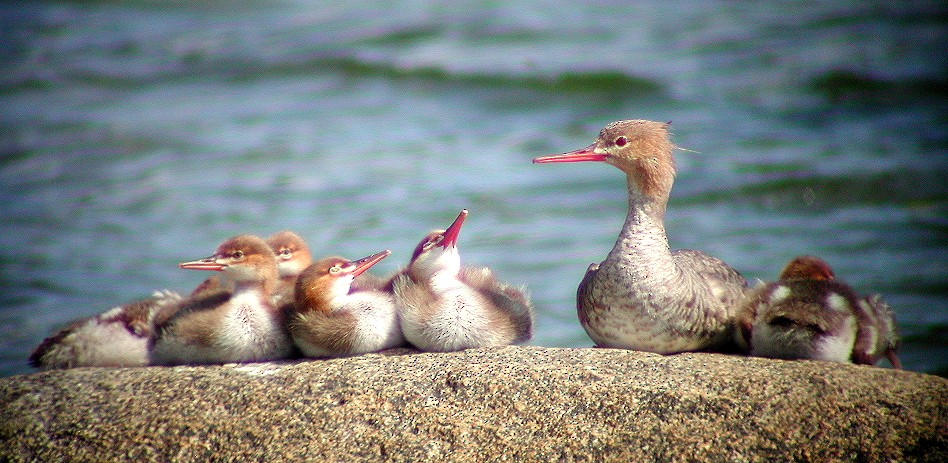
[
  {"x": 244, "y": 326},
  {"x": 332, "y": 319},
  {"x": 809, "y": 314},
  {"x": 293, "y": 257},
  {"x": 118, "y": 337},
  {"x": 447, "y": 307},
  {"x": 645, "y": 296}
]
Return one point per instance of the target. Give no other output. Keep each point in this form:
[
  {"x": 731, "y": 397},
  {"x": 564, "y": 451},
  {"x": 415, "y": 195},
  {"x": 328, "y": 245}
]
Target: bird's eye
[
  {"x": 285, "y": 252},
  {"x": 433, "y": 242},
  {"x": 335, "y": 269},
  {"x": 238, "y": 254},
  {"x": 621, "y": 141}
]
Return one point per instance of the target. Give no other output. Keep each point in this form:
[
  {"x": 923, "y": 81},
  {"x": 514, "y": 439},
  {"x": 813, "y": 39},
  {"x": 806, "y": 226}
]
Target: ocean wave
[
  {"x": 823, "y": 192},
  {"x": 838, "y": 85},
  {"x": 595, "y": 81},
  {"x": 241, "y": 69}
]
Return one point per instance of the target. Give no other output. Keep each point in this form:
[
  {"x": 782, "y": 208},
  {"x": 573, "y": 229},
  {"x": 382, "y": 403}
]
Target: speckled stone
[{"x": 494, "y": 404}]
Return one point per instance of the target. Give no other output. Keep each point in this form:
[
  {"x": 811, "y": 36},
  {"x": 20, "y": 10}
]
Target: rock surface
[{"x": 501, "y": 404}]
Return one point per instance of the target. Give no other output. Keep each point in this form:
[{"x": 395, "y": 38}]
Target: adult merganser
[
  {"x": 244, "y": 326},
  {"x": 332, "y": 319},
  {"x": 809, "y": 314},
  {"x": 118, "y": 337},
  {"x": 446, "y": 307},
  {"x": 645, "y": 296},
  {"x": 293, "y": 257}
]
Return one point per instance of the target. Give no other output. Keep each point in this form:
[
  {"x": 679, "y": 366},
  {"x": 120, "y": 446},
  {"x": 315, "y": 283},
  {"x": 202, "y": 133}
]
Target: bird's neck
[
  {"x": 255, "y": 292},
  {"x": 332, "y": 297},
  {"x": 261, "y": 288},
  {"x": 252, "y": 297},
  {"x": 445, "y": 280},
  {"x": 642, "y": 243}
]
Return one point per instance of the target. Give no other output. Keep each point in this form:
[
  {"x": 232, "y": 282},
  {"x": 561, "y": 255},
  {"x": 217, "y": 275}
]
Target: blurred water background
[{"x": 136, "y": 135}]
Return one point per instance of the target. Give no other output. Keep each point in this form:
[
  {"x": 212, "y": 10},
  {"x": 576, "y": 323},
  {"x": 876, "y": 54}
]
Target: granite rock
[{"x": 495, "y": 404}]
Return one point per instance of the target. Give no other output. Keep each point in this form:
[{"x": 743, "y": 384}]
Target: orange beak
[{"x": 365, "y": 263}]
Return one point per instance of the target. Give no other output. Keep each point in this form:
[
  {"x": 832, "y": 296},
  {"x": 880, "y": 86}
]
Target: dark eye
[
  {"x": 238, "y": 254},
  {"x": 433, "y": 242},
  {"x": 285, "y": 252},
  {"x": 621, "y": 141}
]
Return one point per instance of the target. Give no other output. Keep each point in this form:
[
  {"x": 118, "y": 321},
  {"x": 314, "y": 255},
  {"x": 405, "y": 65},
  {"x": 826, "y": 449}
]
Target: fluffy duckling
[
  {"x": 332, "y": 319},
  {"x": 447, "y": 307},
  {"x": 293, "y": 257},
  {"x": 221, "y": 327},
  {"x": 809, "y": 314},
  {"x": 118, "y": 337}
]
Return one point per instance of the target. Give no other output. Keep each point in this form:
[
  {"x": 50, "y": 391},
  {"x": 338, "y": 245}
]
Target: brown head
[
  {"x": 245, "y": 259},
  {"x": 329, "y": 278},
  {"x": 438, "y": 251},
  {"x": 642, "y": 149},
  {"x": 807, "y": 268},
  {"x": 292, "y": 253}
]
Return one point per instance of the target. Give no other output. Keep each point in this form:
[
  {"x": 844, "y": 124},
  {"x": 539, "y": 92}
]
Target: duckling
[
  {"x": 809, "y": 314},
  {"x": 332, "y": 319},
  {"x": 221, "y": 327},
  {"x": 118, "y": 337},
  {"x": 447, "y": 307}
]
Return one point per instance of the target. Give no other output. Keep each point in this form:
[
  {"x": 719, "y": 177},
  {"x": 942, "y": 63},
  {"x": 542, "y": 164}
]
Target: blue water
[{"x": 134, "y": 136}]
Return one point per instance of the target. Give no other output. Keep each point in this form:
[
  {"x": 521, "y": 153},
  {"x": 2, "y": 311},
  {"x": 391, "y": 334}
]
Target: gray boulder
[{"x": 498, "y": 404}]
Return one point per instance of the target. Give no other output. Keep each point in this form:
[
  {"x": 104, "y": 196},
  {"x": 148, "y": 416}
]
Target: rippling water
[{"x": 139, "y": 135}]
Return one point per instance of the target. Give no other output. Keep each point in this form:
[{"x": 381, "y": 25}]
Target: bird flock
[{"x": 269, "y": 300}]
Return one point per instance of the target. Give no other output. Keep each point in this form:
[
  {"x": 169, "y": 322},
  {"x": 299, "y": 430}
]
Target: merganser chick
[
  {"x": 447, "y": 307},
  {"x": 332, "y": 319},
  {"x": 118, "y": 337},
  {"x": 645, "y": 296},
  {"x": 239, "y": 327},
  {"x": 293, "y": 257},
  {"x": 809, "y": 314}
]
